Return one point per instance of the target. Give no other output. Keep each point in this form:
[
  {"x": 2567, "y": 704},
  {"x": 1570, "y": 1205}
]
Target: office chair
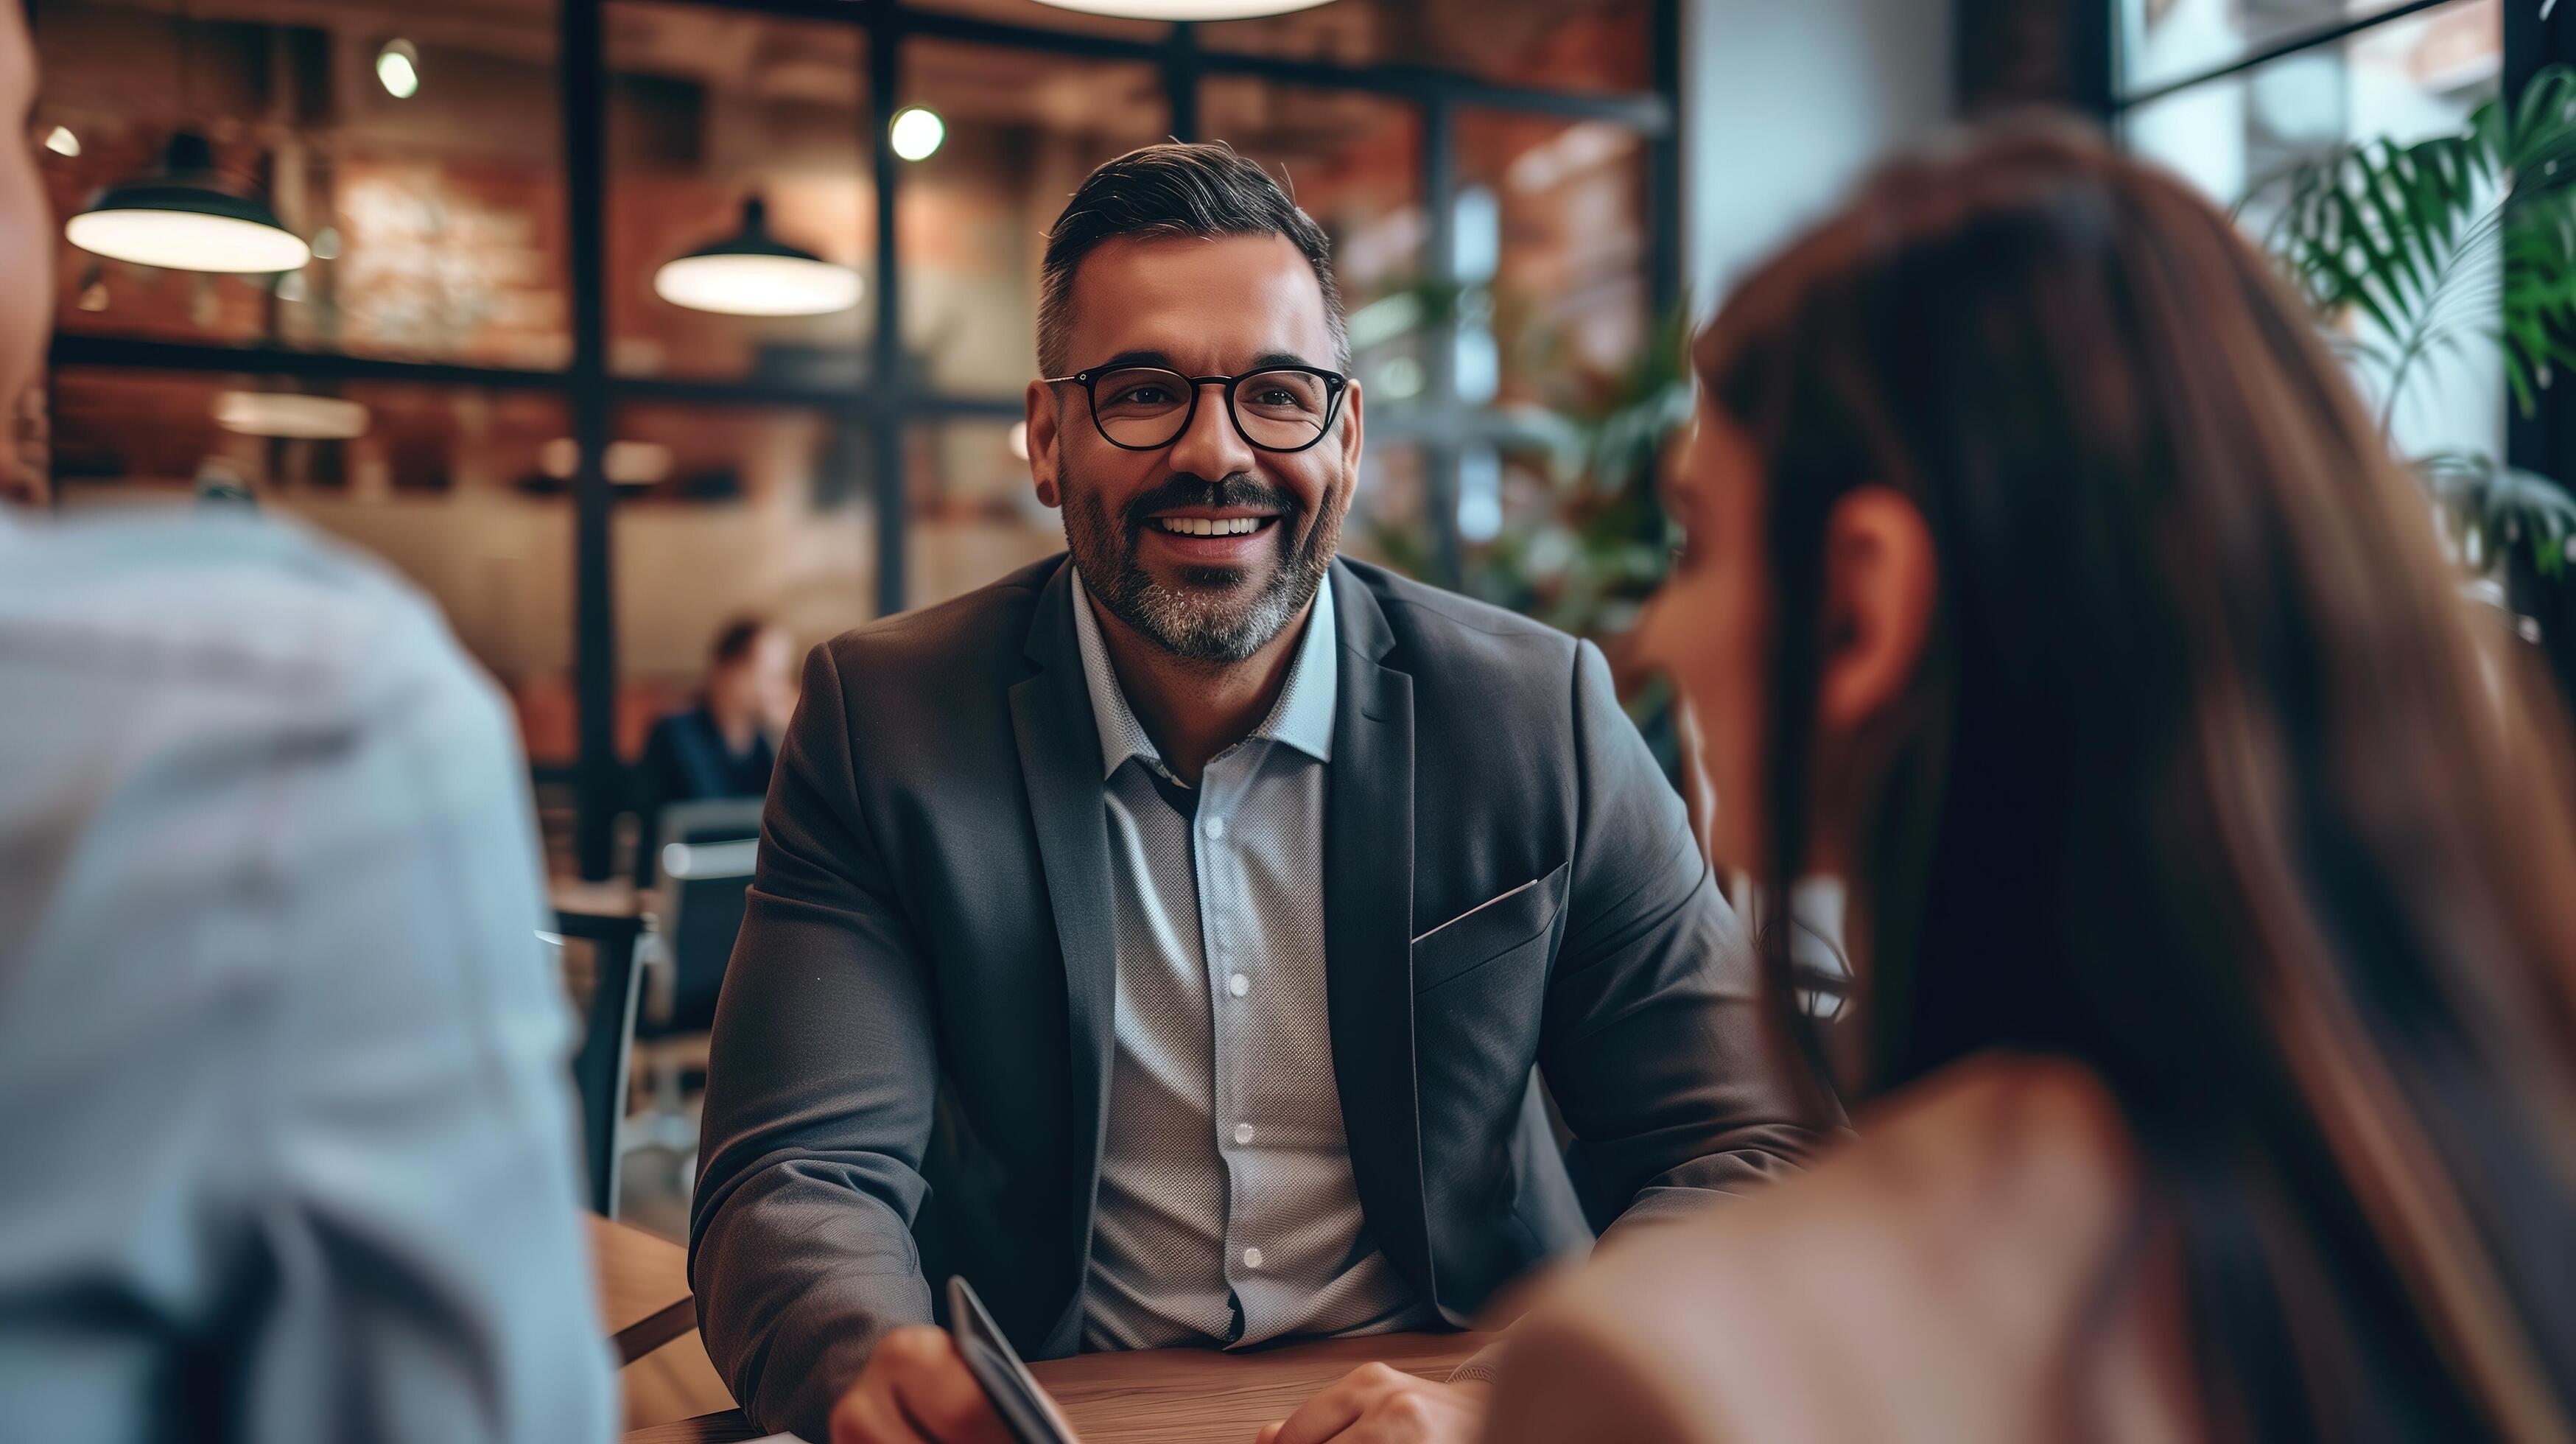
[
  {"x": 608, "y": 1032},
  {"x": 702, "y": 872}
]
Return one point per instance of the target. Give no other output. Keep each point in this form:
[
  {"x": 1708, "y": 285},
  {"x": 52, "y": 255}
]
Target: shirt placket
[{"x": 1227, "y": 951}]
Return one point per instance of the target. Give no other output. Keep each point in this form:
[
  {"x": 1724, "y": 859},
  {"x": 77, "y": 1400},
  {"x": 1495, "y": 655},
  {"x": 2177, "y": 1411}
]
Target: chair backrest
[
  {"x": 705, "y": 866},
  {"x": 608, "y": 1033}
]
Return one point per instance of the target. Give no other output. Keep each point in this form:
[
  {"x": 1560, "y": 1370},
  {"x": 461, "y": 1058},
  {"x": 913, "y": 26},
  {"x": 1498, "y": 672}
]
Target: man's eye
[{"x": 1142, "y": 396}]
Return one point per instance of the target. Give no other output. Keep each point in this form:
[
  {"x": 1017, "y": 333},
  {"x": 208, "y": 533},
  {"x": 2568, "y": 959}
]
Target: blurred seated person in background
[
  {"x": 2214, "y": 883},
  {"x": 1164, "y": 938},
  {"x": 723, "y": 746},
  {"x": 285, "y": 1127}
]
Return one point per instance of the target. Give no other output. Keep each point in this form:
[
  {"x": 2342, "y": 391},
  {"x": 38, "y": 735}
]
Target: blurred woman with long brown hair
[{"x": 2213, "y": 878}]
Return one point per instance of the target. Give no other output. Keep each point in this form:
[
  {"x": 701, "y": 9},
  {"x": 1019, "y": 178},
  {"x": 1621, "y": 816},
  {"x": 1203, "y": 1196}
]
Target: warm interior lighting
[
  {"x": 61, "y": 141},
  {"x": 627, "y": 463},
  {"x": 753, "y": 273},
  {"x": 290, "y": 414},
  {"x": 185, "y": 217},
  {"x": 917, "y": 132},
  {"x": 398, "y": 69},
  {"x": 1184, "y": 9}
]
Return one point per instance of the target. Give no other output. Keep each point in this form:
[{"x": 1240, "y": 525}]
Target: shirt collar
[{"x": 1302, "y": 717}]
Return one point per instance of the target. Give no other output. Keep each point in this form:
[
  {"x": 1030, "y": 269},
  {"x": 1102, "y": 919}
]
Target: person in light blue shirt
[{"x": 287, "y": 1145}]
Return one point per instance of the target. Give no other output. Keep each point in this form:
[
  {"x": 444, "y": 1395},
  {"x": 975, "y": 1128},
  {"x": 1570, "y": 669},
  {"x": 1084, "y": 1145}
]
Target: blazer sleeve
[
  {"x": 1654, "y": 1040},
  {"x": 820, "y": 1084}
]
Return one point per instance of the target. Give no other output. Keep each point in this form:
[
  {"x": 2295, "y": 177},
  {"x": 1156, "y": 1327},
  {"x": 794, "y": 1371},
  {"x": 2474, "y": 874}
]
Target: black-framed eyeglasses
[{"x": 1146, "y": 408}]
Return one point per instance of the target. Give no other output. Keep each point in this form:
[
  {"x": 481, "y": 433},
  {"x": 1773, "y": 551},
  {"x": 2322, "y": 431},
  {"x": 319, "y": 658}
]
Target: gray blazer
[{"x": 912, "y": 1053}]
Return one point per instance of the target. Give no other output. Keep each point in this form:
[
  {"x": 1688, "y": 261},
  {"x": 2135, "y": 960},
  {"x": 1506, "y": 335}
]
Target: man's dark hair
[
  {"x": 1203, "y": 190},
  {"x": 736, "y": 640}
]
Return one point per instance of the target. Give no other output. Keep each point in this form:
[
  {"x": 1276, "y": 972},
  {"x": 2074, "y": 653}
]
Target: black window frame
[{"x": 889, "y": 401}]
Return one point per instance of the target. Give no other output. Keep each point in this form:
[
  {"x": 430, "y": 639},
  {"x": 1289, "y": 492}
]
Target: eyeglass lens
[{"x": 1145, "y": 407}]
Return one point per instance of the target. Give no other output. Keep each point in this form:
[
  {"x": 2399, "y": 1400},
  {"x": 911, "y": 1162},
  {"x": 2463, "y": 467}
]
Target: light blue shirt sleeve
[{"x": 288, "y": 1137}]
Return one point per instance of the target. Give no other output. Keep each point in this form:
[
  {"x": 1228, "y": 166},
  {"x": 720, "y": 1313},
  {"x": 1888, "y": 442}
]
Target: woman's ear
[{"x": 1881, "y": 583}]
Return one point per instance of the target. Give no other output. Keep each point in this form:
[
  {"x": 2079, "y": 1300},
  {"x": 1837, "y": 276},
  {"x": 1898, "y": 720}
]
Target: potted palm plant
[{"x": 2457, "y": 247}]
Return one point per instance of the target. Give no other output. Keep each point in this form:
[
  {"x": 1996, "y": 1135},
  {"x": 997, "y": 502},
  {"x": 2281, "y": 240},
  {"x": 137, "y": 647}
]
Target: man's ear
[
  {"x": 1042, "y": 439},
  {"x": 1881, "y": 583},
  {"x": 1353, "y": 425}
]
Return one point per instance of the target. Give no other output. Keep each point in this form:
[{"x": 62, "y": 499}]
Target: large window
[
  {"x": 486, "y": 376},
  {"x": 2233, "y": 93}
]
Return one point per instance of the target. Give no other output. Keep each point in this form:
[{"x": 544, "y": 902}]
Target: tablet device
[{"x": 1024, "y": 1408}]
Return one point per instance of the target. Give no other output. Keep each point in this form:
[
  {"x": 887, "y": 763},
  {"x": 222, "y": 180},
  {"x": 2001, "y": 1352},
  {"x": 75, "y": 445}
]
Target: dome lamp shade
[
  {"x": 1184, "y": 9},
  {"x": 753, "y": 273},
  {"x": 186, "y": 217}
]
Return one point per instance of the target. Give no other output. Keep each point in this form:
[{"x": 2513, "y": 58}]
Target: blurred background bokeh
[
  {"x": 477, "y": 378},
  {"x": 591, "y": 479}
]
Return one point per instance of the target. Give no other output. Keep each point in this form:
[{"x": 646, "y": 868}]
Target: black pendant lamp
[
  {"x": 187, "y": 217},
  {"x": 753, "y": 273}
]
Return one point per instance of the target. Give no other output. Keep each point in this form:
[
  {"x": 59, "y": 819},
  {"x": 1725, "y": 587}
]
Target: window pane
[
  {"x": 1354, "y": 162},
  {"x": 1022, "y": 129},
  {"x": 708, "y": 110},
  {"x": 2163, "y": 40},
  {"x": 1595, "y": 45},
  {"x": 449, "y": 485},
  {"x": 437, "y": 221},
  {"x": 1389, "y": 522},
  {"x": 725, "y": 512},
  {"x": 1552, "y": 247},
  {"x": 2406, "y": 80},
  {"x": 975, "y": 516}
]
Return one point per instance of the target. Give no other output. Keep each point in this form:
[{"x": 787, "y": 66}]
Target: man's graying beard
[{"x": 1203, "y": 620}]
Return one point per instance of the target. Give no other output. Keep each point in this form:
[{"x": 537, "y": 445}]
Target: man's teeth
[{"x": 1207, "y": 526}]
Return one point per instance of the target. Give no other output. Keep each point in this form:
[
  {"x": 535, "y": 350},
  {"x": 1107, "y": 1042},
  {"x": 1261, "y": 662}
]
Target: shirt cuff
[{"x": 1482, "y": 1367}]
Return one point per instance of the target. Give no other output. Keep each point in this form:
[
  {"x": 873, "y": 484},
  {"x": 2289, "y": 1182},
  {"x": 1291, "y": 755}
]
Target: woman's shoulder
[{"x": 1946, "y": 1245}]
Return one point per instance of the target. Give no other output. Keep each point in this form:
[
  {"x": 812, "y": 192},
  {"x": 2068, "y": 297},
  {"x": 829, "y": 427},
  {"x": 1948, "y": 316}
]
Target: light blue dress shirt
[
  {"x": 287, "y": 1144},
  {"x": 1227, "y": 1214}
]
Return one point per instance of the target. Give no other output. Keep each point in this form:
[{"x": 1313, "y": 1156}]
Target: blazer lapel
[
  {"x": 1060, "y": 763},
  {"x": 1368, "y": 917}
]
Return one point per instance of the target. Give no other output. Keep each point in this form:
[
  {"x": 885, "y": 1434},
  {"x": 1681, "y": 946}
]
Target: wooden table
[
  {"x": 609, "y": 898},
  {"x": 643, "y": 1287},
  {"x": 1174, "y": 1396}
]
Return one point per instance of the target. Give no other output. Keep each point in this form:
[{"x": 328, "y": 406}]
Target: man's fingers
[
  {"x": 937, "y": 1393},
  {"x": 1325, "y": 1416},
  {"x": 867, "y": 1415},
  {"x": 1269, "y": 1432}
]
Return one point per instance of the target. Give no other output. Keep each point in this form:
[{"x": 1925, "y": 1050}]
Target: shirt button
[
  {"x": 1252, "y": 1258},
  {"x": 1214, "y": 827},
  {"x": 1238, "y": 985},
  {"x": 1243, "y": 1133}
]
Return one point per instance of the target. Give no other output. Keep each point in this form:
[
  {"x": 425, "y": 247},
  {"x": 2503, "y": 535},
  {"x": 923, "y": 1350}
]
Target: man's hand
[
  {"x": 1379, "y": 1404},
  {"x": 915, "y": 1390}
]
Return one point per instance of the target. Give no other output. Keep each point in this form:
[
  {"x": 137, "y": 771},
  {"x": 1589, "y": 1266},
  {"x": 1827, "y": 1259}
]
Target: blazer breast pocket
[{"x": 1487, "y": 931}]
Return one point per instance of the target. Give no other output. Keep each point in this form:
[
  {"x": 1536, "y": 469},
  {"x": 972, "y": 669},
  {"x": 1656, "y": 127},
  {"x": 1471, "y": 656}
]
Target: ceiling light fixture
[
  {"x": 186, "y": 217},
  {"x": 398, "y": 69},
  {"x": 1184, "y": 9},
  {"x": 62, "y": 142},
  {"x": 753, "y": 273},
  {"x": 917, "y": 132},
  {"x": 290, "y": 414}
]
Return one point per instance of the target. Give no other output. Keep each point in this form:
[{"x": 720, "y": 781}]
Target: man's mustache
[{"x": 1240, "y": 490}]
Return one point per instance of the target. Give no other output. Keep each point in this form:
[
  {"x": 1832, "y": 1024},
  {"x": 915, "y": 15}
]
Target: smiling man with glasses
[{"x": 1173, "y": 938}]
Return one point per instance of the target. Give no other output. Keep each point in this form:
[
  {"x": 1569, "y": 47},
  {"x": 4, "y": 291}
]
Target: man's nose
[{"x": 1210, "y": 446}]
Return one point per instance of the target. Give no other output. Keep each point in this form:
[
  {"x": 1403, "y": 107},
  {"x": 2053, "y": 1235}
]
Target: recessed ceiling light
[
  {"x": 917, "y": 132},
  {"x": 398, "y": 69}
]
